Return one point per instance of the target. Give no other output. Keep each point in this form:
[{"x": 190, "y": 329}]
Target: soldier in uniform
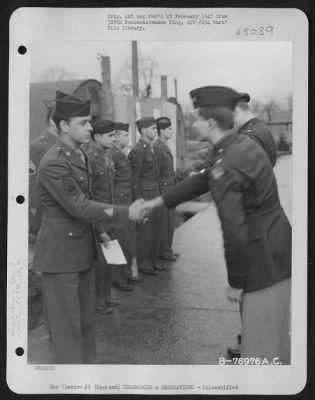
[
  {"x": 167, "y": 180},
  {"x": 123, "y": 196},
  {"x": 38, "y": 148},
  {"x": 66, "y": 248},
  {"x": 256, "y": 231},
  {"x": 102, "y": 136},
  {"x": 248, "y": 124},
  {"x": 145, "y": 184}
]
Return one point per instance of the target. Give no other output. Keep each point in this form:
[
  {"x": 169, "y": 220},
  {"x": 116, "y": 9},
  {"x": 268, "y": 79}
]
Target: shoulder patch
[
  {"x": 217, "y": 172},
  {"x": 69, "y": 186},
  {"x": 32, "y": 168}
]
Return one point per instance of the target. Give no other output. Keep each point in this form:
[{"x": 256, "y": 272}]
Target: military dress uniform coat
[
  {"x": 102, "y": 190},
  {"x": 258, "y": 131},
  {"x": 103, "y": 175},
  {"x": 256, "y": 232},
  {"x": 38, "y": 148},
  {"x": 122, "y": 189},
  {"x": 167, "y": 180},
  {"x": 66, "y": 249},
  {"x": 145, "y": 184},
  {"x": 257, "y": 240}
]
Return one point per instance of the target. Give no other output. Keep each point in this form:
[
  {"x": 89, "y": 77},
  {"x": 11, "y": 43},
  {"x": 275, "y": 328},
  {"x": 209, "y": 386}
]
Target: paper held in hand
[{"x": 113, "y": 253}]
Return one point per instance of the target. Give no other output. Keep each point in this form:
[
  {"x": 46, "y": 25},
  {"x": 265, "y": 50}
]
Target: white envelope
[{"x": 113, "y": 253}]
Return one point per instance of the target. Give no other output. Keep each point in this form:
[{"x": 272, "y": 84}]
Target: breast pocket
[
  {"x": 149, "y": 158},
  {"x": 82, "y": 181},
  {"x": 150, "y": 191},
  {"x": 121, "y": 164},
  {"x": 70, "y": 230}
]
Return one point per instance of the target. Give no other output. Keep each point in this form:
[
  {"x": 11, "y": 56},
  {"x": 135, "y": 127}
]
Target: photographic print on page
[{"x": 78, "y": 325}]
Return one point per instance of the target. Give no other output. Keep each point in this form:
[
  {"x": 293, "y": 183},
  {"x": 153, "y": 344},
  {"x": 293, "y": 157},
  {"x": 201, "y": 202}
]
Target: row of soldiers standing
[{"x": 119, "y": 178}]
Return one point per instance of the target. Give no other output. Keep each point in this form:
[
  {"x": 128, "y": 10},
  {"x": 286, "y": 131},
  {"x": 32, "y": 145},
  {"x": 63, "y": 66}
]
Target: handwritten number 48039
[{"x": 260, "y": 31}]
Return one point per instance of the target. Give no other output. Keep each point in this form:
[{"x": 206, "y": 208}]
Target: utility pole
[
  {"x": 175, "y": 87},
  {"x": 135, "y": 67},
  {"x": 107, "y": 110},
  {"x": 164, "y": 86}
]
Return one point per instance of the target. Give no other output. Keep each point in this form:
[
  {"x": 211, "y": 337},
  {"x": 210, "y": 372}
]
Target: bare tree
[
  {"x": 289, "y": 101},
  {"x": 57, "y": 74},
  {"x": 270, "y": 107},
  {"x": 147, "y": 77}
]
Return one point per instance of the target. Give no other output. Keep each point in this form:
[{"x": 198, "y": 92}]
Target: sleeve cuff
[
  {"x": 120, "y": 217},
  {"x": 236, "y": 281}
]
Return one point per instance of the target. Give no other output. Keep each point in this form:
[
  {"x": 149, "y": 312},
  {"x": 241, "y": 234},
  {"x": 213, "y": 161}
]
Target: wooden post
[
  {"x": 163, "y": 86},
  {"x": 135, "y": 72},
  {"x": 108, "y": 111},
  {"x": 175, "y": 88}
]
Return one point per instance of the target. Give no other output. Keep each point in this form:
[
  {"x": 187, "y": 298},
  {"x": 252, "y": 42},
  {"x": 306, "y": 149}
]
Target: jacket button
[
  {"x": 81, "y": 178},
  {"x": 68, "y": 153},
  {"x": 70, "y": 234}
]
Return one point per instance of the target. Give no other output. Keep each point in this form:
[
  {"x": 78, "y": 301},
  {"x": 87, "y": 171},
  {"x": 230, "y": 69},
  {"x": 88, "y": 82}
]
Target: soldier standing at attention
[
  {"x": 167, "y": 180},
  {"x": 38, "y": 148},
  {"x": 248, "y": 124},
  {"x": 102, "y": 136},
  {"x": 126, "y": 274},
  {"x": 145, "y": 185},
  {"x": 256, "y": 231},
  {"x": 66, "y": 247}
]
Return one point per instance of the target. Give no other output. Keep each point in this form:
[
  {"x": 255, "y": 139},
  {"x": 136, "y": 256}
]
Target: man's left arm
[{"x": 227, "y": 193}]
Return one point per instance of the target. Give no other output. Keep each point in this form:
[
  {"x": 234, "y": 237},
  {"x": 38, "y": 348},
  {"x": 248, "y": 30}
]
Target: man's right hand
[{"x": 137, "y": 212}]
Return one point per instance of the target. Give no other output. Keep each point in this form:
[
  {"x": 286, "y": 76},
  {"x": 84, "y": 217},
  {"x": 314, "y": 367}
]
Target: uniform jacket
[
  {"x": 103, "y": 170},
  {"x": 38, "y": 148},
  {"x": 145, "y": 174},
  {"x": 258, "y": 131},
  {"x": 65, "y": 242},
  {"x": 165, "y": 165},
  {"x": 256, "y": 232},
  {"x": 122, "y": 177}
]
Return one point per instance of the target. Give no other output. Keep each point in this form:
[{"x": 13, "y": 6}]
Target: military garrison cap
[
  {"x": 244, "y": 97},
  {"x": 215, "y": 96},
  {"x": 145, "y": 122},
  {"x": 163, "y": 122},
  {"x": 69, "y": 105},
  {"x": 50, "y": 107},
  {"x": 119, "y": 126},
  {"x": 103, "y": 126}
]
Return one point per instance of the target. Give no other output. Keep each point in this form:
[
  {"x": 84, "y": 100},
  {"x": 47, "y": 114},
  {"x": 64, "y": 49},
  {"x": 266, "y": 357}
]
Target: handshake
[{"x": 140, "y": 209}]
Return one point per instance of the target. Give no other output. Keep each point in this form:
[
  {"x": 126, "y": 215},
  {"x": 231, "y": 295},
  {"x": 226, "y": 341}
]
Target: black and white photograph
[{"x": 160, "y": 203}]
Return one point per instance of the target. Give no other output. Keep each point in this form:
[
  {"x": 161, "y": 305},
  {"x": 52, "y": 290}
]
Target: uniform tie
[{"x": 81, "y": 155}]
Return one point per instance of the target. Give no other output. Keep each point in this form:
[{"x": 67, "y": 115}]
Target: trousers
[
  {"x": 167, "y": 235},
  {"x": 70, "y": 303},
  {"x": 148, "y": 241},
  {"x": 266, "y": 321}
]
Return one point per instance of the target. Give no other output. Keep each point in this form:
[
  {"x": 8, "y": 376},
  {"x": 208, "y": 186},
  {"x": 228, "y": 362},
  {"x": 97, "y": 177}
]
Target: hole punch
[
  {"x": 20, "y": 199},
  {"x": 19, "y": 351},
  {"x": 22, "y": 50}
]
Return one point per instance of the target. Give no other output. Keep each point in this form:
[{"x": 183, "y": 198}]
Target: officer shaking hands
[{"x": 256, "y": 231}]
